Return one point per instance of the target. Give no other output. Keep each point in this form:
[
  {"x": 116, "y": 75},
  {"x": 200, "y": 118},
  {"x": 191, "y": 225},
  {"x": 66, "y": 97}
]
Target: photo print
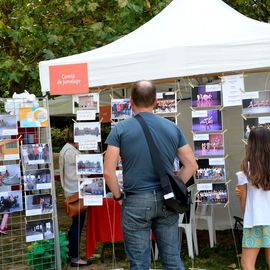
[
  {"x": 121, "y": 108},
  {"x": 86, "y": 102},
  {"x": 92, "y": 187},
  {"x": 33, "y": 117},
  {"x": 211, "y": 169},
  {"x": 9, "y": 150},
  {"x": 212, "y": 194},
  {"x": 254, "y": 122},
  {"x": 39, "y": 230},
  {"x": 38, "y": 204},
  {"x": 8, "y": 125},
  {"x": 206, "y": 120},
  {"x": 89, "y": 164},
  {"x": 10, "y": 175},
  {"x": 166, "y": 103},
  {"x": 206, "y": 95},
  {"x": 256, "y": 102},
  {"x": 37, "y": 179},
  {"x": 208, "y": 144},
  {"x": 87, "y": 131},
  {"x": 35, "y": 153},
  {"x": 11, "y": 201},
  {"x": 119, "y": 175}
]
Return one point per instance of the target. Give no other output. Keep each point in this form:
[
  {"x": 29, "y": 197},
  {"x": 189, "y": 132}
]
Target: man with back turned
[{"x": 143, "y": 207}]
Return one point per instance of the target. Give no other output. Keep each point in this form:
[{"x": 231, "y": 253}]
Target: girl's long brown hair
[{"x": 256, "y": 164}]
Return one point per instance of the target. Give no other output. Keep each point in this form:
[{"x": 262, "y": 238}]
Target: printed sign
[{"x": 68, "y": 79}]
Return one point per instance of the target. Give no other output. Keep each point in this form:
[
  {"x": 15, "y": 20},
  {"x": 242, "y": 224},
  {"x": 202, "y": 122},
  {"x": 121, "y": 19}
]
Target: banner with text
[{"x": 69, "y": 79}]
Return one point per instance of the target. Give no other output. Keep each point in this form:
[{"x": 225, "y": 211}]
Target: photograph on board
[
  {"x": 37, "y": 179},
  {"x": 9, "y": 150},
  {"x": 249, "y": 123},
  {"x": 92, "y": 187},
  {"x": 257, "y": 102},
  {"x": 208, "y": 144},
  {"x": 120, "y": 109},
  {"x": 8, "y": 125},
  {"x": 10, "y": 175},
  {"x": 206, "y": 120},
  {"x": 11, "y": 201},
  {"x": 35, "y": 153},
  {"x": 212, "y": 194},
  {"x": 87, "y": 131},
  {"x": 211, "y": 169},
  {"x": 166, "y": 103},
  {"x": 38, "y": 204},
  {"x": 206, "y": 95},
  {"x": 39, "y": 230},
  {"x": 89, "y": 164}
]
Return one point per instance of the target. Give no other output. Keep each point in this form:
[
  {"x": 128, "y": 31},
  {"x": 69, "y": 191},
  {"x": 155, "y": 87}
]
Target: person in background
[
  {"x": 253, "y": 190},
  {"x": 143, "y": 207},
  {"x": 4, "y": 226},
  {"x": 69, "y": 182}
]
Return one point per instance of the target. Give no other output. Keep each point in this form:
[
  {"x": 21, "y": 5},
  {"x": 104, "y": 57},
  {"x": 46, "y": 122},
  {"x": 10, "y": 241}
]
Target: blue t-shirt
[{"x": 138, "y": 171}]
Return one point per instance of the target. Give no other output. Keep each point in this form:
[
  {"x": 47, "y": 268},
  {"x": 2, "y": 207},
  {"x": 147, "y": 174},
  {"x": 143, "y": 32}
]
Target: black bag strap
[{"x": 155, "y": 155}]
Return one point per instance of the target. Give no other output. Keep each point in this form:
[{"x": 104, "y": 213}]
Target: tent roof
[{"x": 187, "y": 38}]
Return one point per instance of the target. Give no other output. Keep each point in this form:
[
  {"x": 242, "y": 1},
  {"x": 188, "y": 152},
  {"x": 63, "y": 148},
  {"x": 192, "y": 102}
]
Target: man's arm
[
  {"x": 188, "y": 161},
  {"x": 110, "y": 162}
]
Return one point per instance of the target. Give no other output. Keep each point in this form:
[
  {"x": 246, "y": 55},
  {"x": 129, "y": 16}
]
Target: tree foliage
[
  {"x": 256, "y": 9},
  {"x": 36, "y": 30}
]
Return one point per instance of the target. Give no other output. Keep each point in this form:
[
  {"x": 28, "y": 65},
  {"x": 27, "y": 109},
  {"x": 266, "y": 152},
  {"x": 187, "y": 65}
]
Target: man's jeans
[{"x": 141, "y": 213}]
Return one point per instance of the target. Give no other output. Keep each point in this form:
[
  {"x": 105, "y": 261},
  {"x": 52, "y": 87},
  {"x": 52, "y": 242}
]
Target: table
[{"x": 103, "y": 225}]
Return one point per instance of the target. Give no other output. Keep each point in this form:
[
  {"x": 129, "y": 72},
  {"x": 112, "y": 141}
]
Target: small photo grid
[
  {"x": 39, "y": 204},
  {"x": 8, "y": 125},
  {"x": 256, "y": 102},
  {"x": 89, "y": 164},
  {"x": 206, "y": 120},
  {"x": 9, "y": 150},
  {"x": 10, "y": 175},
  {"x": 37, "y": 179},
  {"x": 212, "y": 194},
  {"x": 11, "y": 201},
  {"x": 121, "y": 109},
  {"x": 86, "y": 102},
  {"x": 166, "y": 103},
  {"x": 254, "y": 122},
  {"x": 33, "y": 117},
  {"x": 211, "y": 169},
  {"x": 92, "y": 187},
  {"x": 35, "y": 153},
  {"x": 87, "y": 131},
  {"x": 208, "y": 144},
  {"x": 206, "y": 96},
  {"x": 39, "y": 230}
]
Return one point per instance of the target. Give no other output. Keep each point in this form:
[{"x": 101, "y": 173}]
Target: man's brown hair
[{"x": 143, "y": 93}]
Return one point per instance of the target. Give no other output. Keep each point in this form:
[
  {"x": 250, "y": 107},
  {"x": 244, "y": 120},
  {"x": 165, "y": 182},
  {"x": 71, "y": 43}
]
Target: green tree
[
  {"x": 36, "y": 30},
  {"x": 256, "y": 9}
]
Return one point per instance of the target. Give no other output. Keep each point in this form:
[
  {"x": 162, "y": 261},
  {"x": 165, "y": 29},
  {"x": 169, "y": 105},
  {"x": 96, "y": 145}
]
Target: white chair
[
  {"x": 189, "y": 227},
  {"x": 205, "y": 212}
]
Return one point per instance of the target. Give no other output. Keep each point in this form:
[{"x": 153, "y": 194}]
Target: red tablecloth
[{"x": 103, "y": 225}]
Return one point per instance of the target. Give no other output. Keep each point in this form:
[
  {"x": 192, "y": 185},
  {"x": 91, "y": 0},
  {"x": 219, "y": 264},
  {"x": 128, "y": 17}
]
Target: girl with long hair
[{"x": 253, "y": 190}]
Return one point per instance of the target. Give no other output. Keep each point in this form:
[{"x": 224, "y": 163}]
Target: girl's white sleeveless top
[{"x": 257, "y": 210}]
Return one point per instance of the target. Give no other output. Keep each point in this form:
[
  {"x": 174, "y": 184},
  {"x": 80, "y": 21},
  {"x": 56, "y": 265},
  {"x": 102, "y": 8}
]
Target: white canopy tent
[{"x": 189, "y": 37}]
